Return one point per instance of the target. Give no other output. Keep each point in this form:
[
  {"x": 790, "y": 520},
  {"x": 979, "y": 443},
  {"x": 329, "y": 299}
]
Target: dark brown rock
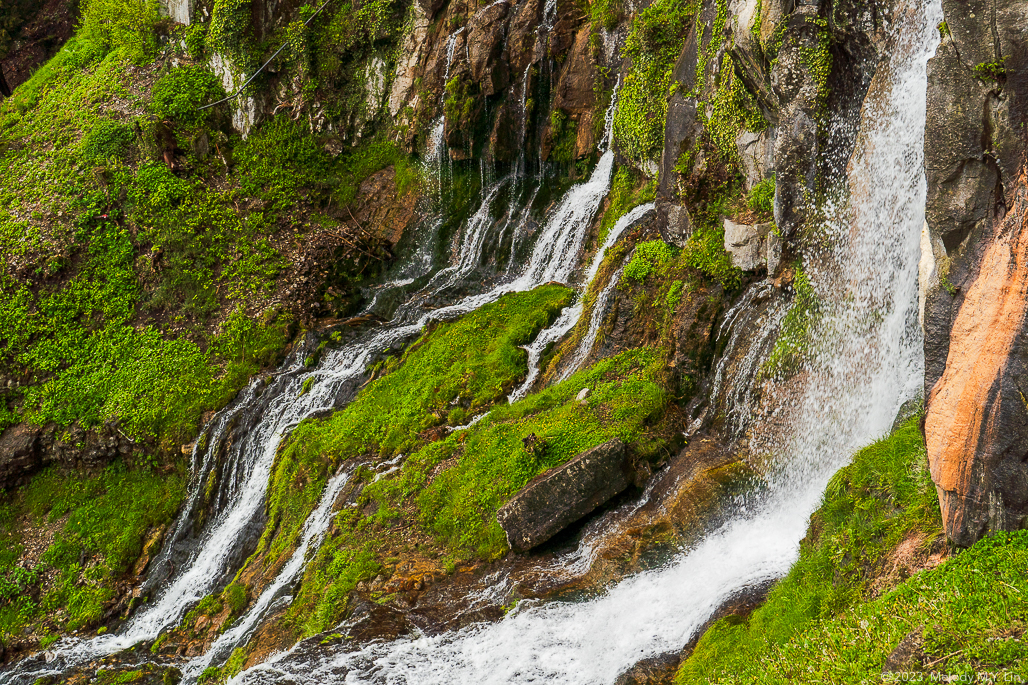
[
  {"x": 20, "y": 454},
  {"x": 961, "y": 178},
  {"x": 563, "y": 495},
  {"x": 485, "y": 43},
  {"x": 658, "y": 670}
]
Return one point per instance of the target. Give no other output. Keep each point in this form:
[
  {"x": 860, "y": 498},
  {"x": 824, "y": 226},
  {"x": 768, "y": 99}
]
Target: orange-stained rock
[{"x": 976, "y": 425}]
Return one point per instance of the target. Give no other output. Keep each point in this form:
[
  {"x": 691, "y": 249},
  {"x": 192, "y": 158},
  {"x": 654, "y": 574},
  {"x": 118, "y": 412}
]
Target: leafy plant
[{"x": 178, "y": 95}]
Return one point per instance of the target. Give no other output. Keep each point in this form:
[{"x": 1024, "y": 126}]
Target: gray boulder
[
  {"x": 556, "y": 499},
  {"x": 751, "y": 247}
]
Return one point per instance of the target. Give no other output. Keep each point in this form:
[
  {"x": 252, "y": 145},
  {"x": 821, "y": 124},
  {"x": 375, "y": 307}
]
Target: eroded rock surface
[
  {"x": 563, "y": 495},
  {"x": 976, "y": 424}
]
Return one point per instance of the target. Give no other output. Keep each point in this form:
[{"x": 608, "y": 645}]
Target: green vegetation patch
[
  {"x": 476, "y": 471},
  {"x": 628, "y": 190},
  {"x": 648, "y": 257},
  {"x": 731, "y": 109},
  {"x": 822, "y": 623},
  {"x": 459, "y": 506},
  {"x": 102, "y": 522},
  {"x": 654, "y": 43},
  {"x": 794, "y": 338},
  {"x": 454, "y": 371}
]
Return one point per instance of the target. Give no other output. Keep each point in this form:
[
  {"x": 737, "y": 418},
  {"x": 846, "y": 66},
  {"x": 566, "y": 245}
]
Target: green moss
[
  {"x": 628, "y": 189},
  {"x": 654, "y": 43},
  {"x": 794, "y": 338},
  {"x": 455, "y": 370},
  {"x": 564, "y": 135},
  {"x": 823, "y": 624},
  {"x": 717, "y": 193},
  {"x": 605, "y": 14},
  {"x": 108, "y": 517},
  {"x": 460, "y": 504},
  {"x": 229, "y": 30},
  {"x": 943, "y": 29},
  {"x": 459, "y": 104},
  {"x": 235, "y": 597},
  {"x": 106, "y": 140},
  {"x": 179, "y": 94},
  {"x": 490, "y": 463},
  {"x": 818, "y": 61},
  {"x": 709, "y": 49},
  {"x": 128, "y": 25},
  {"x": 647, "y": 257},
  {"x": 731, "y": 109}
]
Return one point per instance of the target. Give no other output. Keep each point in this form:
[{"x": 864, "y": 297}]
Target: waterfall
[
  {"x": 867, "y": 364},
  {"x": 313, "y": 531},
  {"x": 272, "y": 411},
  {"x": 568, "y": 318}
]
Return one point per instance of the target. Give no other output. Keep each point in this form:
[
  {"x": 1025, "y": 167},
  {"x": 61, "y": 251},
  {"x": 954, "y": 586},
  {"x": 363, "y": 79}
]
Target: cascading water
[
  {"x": 281, "y": 405},
  {"x": 868, "y": 364},
  {"x": 568, "y": 318},
  {"x": 313, "y": 531}
]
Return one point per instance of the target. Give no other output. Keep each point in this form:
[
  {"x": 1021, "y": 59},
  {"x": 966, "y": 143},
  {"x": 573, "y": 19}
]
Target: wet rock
[
  {"x": 756, "y": 155},
  {"x": 681, "y": 130},
  {"x": 382, "y": 212},
  {"x": 522, "y": 36},
  {"x": 962, "y": 180},
  {"x": 430, "y": 7},
  {"x": 658, "y": 670},
  {"x": 485, "y": 43},
  {"x": 975, "y": 331},
  {"x": 414, "y": 45},
  {"x": 563, "y": 495},
  {"x": 20, "y": 454},
  {"x": 748, "y": 53},
  {"x": 796, "y": 150},
  {"x": 674, "y": 223},
  {"x": 747, "y": 245}
]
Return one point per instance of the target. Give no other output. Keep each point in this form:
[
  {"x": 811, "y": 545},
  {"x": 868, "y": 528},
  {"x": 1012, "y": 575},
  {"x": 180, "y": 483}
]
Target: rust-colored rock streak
[{"x": 974, "y": 461}]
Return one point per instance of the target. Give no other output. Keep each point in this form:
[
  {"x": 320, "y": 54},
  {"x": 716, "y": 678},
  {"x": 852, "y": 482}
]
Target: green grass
[
  {"x": 108, "y": 517},
  {"x": 822, "y": 623}
]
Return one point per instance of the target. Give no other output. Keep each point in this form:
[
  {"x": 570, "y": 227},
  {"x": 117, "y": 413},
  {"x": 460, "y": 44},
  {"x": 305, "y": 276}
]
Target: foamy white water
[{"x": 868, "y": 363}]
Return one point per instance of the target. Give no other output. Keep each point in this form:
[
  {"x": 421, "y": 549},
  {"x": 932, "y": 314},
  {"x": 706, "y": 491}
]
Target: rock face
[
  {"x": 563, "y": 495},
  {"x": 749, "y": 246},
  {"x": 976, "y": 299}
]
